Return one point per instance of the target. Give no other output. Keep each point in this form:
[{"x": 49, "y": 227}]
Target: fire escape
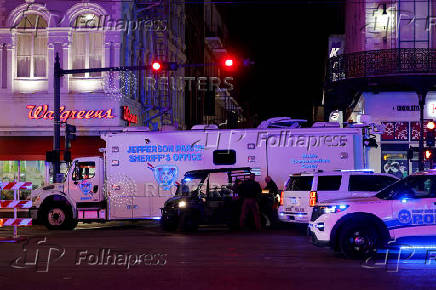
[{"x": 158, "y": 102}]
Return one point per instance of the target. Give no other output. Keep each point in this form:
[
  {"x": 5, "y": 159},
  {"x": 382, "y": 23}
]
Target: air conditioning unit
[{"x": 282, "y": 123}]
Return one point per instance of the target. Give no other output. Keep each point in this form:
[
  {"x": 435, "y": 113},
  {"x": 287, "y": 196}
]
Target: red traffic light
[
  {"x": 431, "y": 125},
  {"x": 228, "y": 62},
  {"x": 428, "y": 154},
  {"x": 156, "y": 66}
]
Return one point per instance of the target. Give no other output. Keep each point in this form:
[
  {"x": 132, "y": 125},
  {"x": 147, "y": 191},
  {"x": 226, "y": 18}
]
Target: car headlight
[
  {"x": 182, "y": 204},
  {"x": 334, "y": 208}
]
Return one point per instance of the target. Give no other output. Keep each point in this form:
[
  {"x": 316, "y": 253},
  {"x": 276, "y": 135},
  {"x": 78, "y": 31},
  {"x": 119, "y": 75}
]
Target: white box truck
[{"x": 139, "y": 170}]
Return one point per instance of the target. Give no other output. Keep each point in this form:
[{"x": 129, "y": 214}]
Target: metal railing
[{"x": 379, "y": 63}]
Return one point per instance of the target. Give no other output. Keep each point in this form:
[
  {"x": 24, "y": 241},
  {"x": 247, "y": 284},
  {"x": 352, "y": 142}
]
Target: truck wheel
[
  {"x": 58, "y": 217},
  {"x": 358, "y": 241}
]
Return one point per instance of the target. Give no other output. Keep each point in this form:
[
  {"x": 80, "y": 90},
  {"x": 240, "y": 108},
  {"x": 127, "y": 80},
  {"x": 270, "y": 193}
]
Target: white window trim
[
  {"x": 32, "y": 50},
  {"x": 87, "y": 55}
]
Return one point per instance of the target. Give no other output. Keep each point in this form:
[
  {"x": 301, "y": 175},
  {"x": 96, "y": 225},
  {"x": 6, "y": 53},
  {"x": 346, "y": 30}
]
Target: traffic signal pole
[
  {"x": 58, "y": 74},
  {"x": 421, "y": 96},
  {"x": 57, "y": 121}
]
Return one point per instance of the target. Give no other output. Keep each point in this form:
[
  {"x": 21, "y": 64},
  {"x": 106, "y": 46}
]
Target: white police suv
[{"x": 358, "y": 226}]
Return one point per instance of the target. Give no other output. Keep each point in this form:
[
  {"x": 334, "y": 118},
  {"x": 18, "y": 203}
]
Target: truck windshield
[{"x": 191, "y": 184}]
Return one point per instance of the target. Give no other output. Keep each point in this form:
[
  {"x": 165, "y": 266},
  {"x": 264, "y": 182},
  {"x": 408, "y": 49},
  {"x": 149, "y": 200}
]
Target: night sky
[{"x": 288, "y": 40}]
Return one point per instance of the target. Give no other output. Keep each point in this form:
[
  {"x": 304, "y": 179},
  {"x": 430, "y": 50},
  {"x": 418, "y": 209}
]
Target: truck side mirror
[{"x": 95, "y": 189}]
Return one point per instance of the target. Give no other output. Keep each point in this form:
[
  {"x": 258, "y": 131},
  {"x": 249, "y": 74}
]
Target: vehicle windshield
[
  {"x": 191, "y": 184},
  {"x": 394, "y": 190},
  {"x": 411, "y": 187}
]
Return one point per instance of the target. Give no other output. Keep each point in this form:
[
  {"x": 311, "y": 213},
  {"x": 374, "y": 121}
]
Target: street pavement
[{"x": 140, "y": 255}]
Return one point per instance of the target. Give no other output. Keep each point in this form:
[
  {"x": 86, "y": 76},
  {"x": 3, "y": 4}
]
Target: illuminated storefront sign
[
  {"x": 43, "y": 112},
  {"x": 128, "y": 116}
]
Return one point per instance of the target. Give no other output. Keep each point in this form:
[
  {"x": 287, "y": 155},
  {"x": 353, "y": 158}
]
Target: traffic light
[
  {"x": 158, "y": 66},
  {"x": 229, "y": 63},
  {"x": 70, "y": 135},
  {"x": 428, "y": 154},
  {"x": 430, "y": 139}
]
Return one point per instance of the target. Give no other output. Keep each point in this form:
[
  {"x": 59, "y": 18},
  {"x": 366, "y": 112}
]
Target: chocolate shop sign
[{"x": 406, "y": 108}]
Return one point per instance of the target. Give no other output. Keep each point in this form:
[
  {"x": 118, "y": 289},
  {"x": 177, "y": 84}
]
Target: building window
[
  {"x": 25, "y": 171},
  {"x": 413, "y": 21},
  {"x": 32, "y": 47},
  {"x": 86, "y": 45}
]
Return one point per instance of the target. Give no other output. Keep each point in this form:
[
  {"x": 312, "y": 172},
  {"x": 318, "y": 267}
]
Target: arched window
[
  {"x": 32, "y": 47},
  {"x": 87, "y": 44}
]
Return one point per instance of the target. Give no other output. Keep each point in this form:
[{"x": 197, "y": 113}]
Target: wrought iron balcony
[{"x": 382, "y": 64}]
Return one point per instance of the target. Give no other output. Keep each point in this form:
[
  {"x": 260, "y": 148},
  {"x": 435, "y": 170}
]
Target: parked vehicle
[
  {"x": 358, "y": 226},
  {"x": 139, "y": 169},
  {"x": 208, "y": 197},
  {"x": 303, "y": 191}
]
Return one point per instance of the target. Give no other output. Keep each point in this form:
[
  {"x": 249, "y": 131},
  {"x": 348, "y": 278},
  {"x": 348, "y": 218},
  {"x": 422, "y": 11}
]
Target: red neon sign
[
  {"x": 43, "y": 112},
  {"x": 128, "y": 116}
]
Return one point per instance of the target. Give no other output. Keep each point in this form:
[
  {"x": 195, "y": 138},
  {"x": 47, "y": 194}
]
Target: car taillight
[
  {"x": 281, "y": 197},
  {"x": 313, "y": 198}
]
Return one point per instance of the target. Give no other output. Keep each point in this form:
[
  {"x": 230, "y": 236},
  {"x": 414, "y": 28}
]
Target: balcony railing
[{"x": 382, "y": 63}]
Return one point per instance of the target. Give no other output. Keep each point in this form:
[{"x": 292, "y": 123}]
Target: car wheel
[
  {"x": 167, "y": 225},
  {"x": 358, "y": 241},
  {"x": 58, "y": 217}
]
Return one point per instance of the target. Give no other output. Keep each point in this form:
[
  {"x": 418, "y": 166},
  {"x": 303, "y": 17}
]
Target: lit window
[
  {"x": 87, "y": 45},
  {"x": 32, "y": 47}
]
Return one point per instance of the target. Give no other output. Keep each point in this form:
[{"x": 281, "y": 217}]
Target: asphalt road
[{"x": 213, "y": 258}]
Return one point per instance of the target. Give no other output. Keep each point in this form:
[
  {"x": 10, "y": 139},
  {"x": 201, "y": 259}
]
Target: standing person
[
  {"x": 273, "y": 191},
  {"x": 248, "y": 192},
  {"x": 235, "y": 187}
]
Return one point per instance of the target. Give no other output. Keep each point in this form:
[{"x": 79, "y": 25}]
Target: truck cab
[{"x": 79, "y": 198}]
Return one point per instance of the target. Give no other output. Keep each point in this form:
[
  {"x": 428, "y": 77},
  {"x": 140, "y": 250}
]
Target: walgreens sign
[{"x": 44, "y": 112}]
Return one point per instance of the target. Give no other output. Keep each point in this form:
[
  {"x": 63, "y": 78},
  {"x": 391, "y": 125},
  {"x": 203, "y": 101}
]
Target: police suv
[{"x": 358, "y": 226}]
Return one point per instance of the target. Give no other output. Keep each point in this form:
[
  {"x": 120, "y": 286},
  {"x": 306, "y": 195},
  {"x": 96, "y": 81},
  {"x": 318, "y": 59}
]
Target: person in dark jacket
[
  {"x": 273, "y": 192},
  {"x": 249, "y": 190}
]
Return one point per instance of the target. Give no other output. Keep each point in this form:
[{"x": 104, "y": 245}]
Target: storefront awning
[{"x": 34, "y": 148}]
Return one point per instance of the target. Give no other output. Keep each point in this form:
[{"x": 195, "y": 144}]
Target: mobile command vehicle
[
  {"x": 358, "y": 226},
  {"x": 139, "y": 170},
  {"x": 303, "y": 191}
]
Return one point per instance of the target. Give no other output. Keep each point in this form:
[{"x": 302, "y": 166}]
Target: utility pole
[{"x": 57, "y": 120}]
